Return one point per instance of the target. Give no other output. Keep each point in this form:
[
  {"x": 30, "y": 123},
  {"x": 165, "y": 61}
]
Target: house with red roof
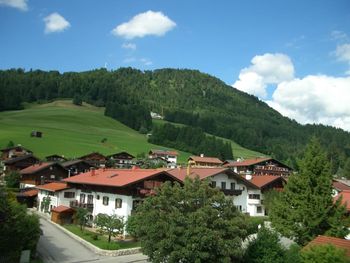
[
  {"x": 259, "y": 166},
  {"x": 112, "y": 191},
  {"x": 13, "y": 152},
  {"x": 94, "y": 159},
  {"x": 246, "y": 194},
  {"x": 340, "y": 185},
  {"x": 168, "y": 155},
  {"x": 120, "y": 160},
  {"x": 345, "y": 199},
  {"x": 42, "y": 173},
  {"x": 335, "y": 241},
  {"x": 203, "y": 161}
]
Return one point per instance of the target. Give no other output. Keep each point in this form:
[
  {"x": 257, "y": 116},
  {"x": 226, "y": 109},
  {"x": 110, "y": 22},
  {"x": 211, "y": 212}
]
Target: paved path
[{"x": 56, "y": 246}]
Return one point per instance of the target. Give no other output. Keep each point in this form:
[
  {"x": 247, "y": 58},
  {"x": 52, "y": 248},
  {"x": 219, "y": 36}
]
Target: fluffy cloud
[
  {"x": 131, "y": 46},
  {"x": 265, "y": 69},
  {"x": 343, "y": 54},
  {"x": 315, "y": 99},
  {"x": 148, "y": 23},
  {"x": 19, "y": 4},
  {"x": 55, "y": 23}
]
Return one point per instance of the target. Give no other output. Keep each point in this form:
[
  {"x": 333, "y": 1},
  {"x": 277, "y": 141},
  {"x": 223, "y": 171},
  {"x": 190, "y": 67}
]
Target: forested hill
[{"x": 183, "y": 96}]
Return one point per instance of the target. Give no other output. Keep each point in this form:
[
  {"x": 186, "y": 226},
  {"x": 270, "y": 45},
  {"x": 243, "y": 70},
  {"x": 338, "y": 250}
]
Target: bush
[
  {"x": 324, "y": 254},
  {"x": 12, "y": 179}
]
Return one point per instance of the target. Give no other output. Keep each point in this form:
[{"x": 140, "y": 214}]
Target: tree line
[{"x": 190, "y": 139}]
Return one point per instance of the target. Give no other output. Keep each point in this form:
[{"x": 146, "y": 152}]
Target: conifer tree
[{"x": 306, "y": 208}]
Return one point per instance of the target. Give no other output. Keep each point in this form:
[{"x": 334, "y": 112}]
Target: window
[
  {"x": 258, "y": 209},
  {"x": 213, "y": 183},
  {"x": 233, "y": 186},
  {"x": 90, "y": 199},
  {"x": 69, "y": 194},
  {"x": 82, "y": 198},
  {"x": 52, "y": 176},
  {"x": 223, "y": 185},
  {"x": 98, "y": 197},
  {"x": 118, "y": 203},
  {"x": 105, "y": 200},
  {"x": 239, "y": 207},
  {"x": 254, "y": 196},
  {"x": 51, "y": 193}
]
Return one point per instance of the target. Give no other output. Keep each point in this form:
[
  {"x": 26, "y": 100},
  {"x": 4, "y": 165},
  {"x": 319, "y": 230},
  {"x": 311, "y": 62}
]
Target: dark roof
[
  {"x": 163, "y": 152},
  {"x": 114, "y": 154},
  {"x": 254, "y": 161},
  {"x": 93, "y": 153},
  {"x": 72, "y": 162},
  {"x": 20, "y": 158},
  {"x": 56, "y": 155},
  {"x": 38, "y": 167},
  {"x": 15, "y": 147}
]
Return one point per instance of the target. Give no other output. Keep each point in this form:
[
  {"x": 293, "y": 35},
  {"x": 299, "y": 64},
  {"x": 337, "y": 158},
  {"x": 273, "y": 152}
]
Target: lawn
[
  {"x": 101, "y": 241},
  {"x": 71, "y": 131}
]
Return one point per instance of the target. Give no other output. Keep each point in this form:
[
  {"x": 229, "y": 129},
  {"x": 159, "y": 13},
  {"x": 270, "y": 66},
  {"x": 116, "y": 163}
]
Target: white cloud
[
  {"x": 131, "y": 46},
  {"x": 55, "y": 23},
  {"x": 343, "y": 52},
  {"x": 338, "y": 35},
  {"x": 143, "y": 24},
  {"x": 19, "y": 4},
  {"x": 315, "y": 99},
  {"x": 146, "y": 61},
  {"x": 265, "y": 69}
]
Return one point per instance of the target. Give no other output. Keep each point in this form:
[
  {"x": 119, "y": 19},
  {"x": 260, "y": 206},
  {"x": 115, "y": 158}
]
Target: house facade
[
  {"x": 169, "y": 156},
  {"x": 19, "y": 163},
  {"x": 259, "y": 166},
  {"x": 42, "y": 173},
  {"x": 202, "y": 161},
  {"x": 121, "y": 160},
  {"x": 77, "y": 166},
  {"x": 94, "y": 159},
  {"x": 13, "y": 152}
]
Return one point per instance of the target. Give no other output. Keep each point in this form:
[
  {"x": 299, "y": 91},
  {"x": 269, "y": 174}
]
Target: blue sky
[{"x": 296, "y": 44}]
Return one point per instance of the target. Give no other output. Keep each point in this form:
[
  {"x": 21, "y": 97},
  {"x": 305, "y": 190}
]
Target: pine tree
[{"x": 305, "y": 208}]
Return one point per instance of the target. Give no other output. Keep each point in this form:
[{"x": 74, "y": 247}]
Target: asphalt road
[{"x": 56, "y": 246}]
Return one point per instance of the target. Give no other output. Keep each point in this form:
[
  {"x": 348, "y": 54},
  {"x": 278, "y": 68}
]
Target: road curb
[{"x": 97, "y": 250}]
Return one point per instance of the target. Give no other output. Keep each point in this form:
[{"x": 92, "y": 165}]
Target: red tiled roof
[
  {"x": 114, "y": 177},
  {"x": 62, "y": 208},
  {"x": 345, "y": 199},
  {"x": 163, "y": 152},
  {"x": 337, "y": 242},
  {"x": 263, "y": 180},
  {"x": 213, "y": 160},
  {"x": 340, "y": 186},
  {"x": 248, "y": 162},
  {"x": 36, "y": 167},
  {"x": 53, "y": 187},
  {"x": 30, "y": 193}
]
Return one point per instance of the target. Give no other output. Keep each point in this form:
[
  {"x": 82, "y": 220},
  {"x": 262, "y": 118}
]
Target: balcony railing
[
  {"x": 232, "y": 191},
  {"x": 76, "y": 204},
  {"x": 254, "y": 201}
]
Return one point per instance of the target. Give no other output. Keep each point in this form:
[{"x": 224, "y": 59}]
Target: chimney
[
  {"x": 202, "y": 155},
  {"x": 93, "y": 172},
  {"x": 248, "y": 175}
]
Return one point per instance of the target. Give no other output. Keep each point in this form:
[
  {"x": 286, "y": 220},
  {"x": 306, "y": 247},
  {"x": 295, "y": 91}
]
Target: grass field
[
  {"x": 71, "y": 131},
  {"x": 238, "y": 151}
]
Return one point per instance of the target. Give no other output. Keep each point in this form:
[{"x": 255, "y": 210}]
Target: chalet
[
  {"x": 243, "y": 192},
  {"x": 27, "y": 196},
  {"x": 42, "y": 173},
  {"x": 59, "y": 192},
  {"x": 169, "y": 156},
  {"x": 115, "y": 191},
  {"x": 77, "y": 166},
  {"x": 340, "y": 243},
  {"x": 94, "y": 159},
  {"x": 121, "y": 159},
  {"x": 55, "y": 158},
  {"x": 259, "y": 166},
  {"x": 13, "y": 152},
  {"x": 20, "y": 162},
  {"x": 202, "y": 161}
]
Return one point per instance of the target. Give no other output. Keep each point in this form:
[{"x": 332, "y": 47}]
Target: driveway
[{"x": 56, "y": 246}]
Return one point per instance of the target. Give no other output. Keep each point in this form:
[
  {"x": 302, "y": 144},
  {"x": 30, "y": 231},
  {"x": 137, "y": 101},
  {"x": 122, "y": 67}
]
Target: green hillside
[{"x": 71, "y": 131}]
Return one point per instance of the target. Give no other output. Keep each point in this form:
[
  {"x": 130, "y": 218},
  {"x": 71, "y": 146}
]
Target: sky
[{"x": 292, "y": 54}]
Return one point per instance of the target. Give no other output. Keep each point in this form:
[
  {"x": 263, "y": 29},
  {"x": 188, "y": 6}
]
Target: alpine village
[{"x": 134, "y": 162}]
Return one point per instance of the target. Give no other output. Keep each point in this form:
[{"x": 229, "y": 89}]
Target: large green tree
[
  {"x": 306, "y": 208},
  {"x": 111, "y": 225},
  {"x": 193, "y": 223}
]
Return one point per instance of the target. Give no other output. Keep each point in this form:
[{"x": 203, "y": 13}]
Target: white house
[{"x": 169, "y": 156}]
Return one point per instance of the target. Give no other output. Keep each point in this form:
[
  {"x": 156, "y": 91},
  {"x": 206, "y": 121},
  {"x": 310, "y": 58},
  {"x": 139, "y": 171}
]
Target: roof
[
  {"x": 340, "y": 186},
  {"x": 72, "y": 162},
  {"x": 345, "y": 198},
  {"x": 163, "y": 152},
  {"x": 53, "y": 187},
  {"x": 120, "y": 153},
  {"x": 264, "y": 180},
  {"x": 90, "y": 154},
  {"x": 36, "y": 167},
  {"x": 205, "y": 159},
  {"x": 203, "y": 173},
  {"x": 15, "y": 147},
  {"x": 335, "y": 241},
  {"x": 56, "y": 155},
  {"x": 62, "y": 208},
  {"x": 248, "y": 162},
  {"x": 115, "y": 177},
  {"x": 20, "y": 158},
  {"x": 29, "y": 193}
]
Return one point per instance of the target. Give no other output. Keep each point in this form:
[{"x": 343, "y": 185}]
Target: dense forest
[
  {"x": 183, "y": 96},
  {"x": 190, "y": 139}
]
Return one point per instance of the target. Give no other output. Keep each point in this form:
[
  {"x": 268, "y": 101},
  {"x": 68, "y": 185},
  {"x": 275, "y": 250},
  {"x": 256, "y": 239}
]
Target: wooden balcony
[
  {"x": 232, "y": 191},
  {"x": 76, "y": 204}
]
